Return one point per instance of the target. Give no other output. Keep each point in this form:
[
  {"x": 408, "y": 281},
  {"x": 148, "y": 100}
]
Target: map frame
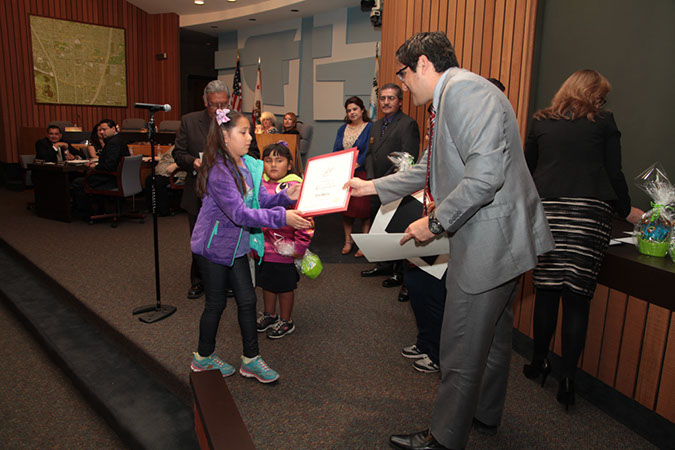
[{"x": 85, "y": 72}]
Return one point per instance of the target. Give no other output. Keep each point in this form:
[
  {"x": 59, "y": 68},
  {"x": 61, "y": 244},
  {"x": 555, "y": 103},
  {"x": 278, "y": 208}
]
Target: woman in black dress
[{"x": 573, "y": 151}]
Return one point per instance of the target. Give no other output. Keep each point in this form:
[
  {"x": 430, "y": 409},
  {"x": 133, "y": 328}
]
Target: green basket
[{"x": 651, "y": 248}]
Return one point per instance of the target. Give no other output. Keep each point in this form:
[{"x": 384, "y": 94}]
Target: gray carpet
[
  {"x": 32, "y": 389},
  {"x": 343, "y": 382}
]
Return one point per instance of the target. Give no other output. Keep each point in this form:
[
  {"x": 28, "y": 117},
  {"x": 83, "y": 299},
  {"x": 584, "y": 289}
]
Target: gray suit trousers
[{"x": 475, "y": 353}]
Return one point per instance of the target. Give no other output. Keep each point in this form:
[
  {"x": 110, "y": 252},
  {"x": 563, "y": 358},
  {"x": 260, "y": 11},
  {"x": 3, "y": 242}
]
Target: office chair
[
  {"x": 24, "y": 160},
  {"x": 133, "y": 124},
  {"x": 128, "y": 175},
  {"x": 63, "y": 124},
  {"x": 169, "y": 126}
]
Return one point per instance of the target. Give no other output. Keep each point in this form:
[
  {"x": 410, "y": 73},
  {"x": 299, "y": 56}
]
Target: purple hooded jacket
[{"x": 224, "y": 220}]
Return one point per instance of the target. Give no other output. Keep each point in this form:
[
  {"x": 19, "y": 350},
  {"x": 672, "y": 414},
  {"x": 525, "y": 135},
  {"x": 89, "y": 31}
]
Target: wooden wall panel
[
  {"x": 148, "y": 80},
  {"x": 612, "y": 334},
  {"x": 596, "y": 322},
  {"x": 631, "y": 346},
  {"x": 651, "y": 358},
  {"x": 493, "y": 38}
]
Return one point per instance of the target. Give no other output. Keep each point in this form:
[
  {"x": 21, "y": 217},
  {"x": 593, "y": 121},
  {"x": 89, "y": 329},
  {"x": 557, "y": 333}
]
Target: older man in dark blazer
[
  {"x": 488, "y": 205},
  {"x": 53, "y": 149},
  {"x": 395, "y": 132},
  {"x": 190, "y": 141}
]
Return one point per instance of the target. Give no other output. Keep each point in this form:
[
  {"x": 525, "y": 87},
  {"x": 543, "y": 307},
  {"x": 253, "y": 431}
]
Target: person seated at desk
[
  {"x": 96, "y": 142},
  {"x": 165, "y": 167},
  {"x": 115, "y": 149},
  {"x": 52, "y": 149}
]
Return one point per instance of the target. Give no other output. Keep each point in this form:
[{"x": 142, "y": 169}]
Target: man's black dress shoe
[
  {"x": 375, "y": 272},
  {"x": 195, "y": 291},
  {"x": 403, "y": 294},
  {"x": 421, "y": 440},
  {"x": 393, "y": 281}
]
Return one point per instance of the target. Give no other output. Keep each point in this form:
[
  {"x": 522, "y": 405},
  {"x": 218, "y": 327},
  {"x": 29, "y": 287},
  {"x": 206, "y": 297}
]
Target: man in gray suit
[
  {"x": 488, "y": 205},
  {"x": 190, "y": 141}
]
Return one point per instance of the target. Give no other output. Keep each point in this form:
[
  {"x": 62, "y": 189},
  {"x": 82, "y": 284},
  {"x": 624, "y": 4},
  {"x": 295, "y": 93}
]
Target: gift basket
[
  {"x": 655, "y": 229},
  {"x": 401, "y": 160},
  {"x": 309, "y": 265}
]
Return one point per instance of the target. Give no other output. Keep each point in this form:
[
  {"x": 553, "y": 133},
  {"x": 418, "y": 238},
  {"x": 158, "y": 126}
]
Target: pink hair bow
[
  {"x": 221, "y": 116},
  {"x": 284, "y": 143}
]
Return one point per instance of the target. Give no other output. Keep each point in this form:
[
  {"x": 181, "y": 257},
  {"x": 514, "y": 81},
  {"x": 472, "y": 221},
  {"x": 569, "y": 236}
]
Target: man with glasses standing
[
  {"x": 190, "y": 141},
  {"x": 485, "y": 200},
  {"x": 395, "y": 132}
]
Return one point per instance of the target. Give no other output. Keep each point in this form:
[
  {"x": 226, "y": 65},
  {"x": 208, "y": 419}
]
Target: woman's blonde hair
[
  {"x": 268, "y": 115},
  {"x": 581, "y": 95}
]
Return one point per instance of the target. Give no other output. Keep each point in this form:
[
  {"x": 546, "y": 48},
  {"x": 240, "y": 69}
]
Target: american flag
[{"x": 236, "y": 88}]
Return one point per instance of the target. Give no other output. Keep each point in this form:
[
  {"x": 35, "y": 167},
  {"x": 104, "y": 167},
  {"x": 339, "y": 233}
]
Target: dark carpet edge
[
  {"x": 641, "y": 420},
  {"x": 164, "y": 376},
  {"x": 117, "y": 410}
]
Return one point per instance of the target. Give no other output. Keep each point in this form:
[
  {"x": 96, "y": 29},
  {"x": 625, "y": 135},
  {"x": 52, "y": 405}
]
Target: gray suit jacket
[
  {"x": 190, "y": 140},
  {"x": 485, "y": 197}
]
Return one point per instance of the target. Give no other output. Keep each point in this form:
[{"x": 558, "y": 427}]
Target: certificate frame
[{"x": 310, "y": 181}]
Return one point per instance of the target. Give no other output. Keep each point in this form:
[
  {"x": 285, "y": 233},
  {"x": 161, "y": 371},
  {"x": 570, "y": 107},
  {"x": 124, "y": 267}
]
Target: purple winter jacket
[{"x": 224, "y": 219}]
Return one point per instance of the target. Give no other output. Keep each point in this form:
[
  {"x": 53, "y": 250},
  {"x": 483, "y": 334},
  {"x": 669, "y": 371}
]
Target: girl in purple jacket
[
  {"x": 278, "y": 276},
  {"x": 234, "y": 208}
]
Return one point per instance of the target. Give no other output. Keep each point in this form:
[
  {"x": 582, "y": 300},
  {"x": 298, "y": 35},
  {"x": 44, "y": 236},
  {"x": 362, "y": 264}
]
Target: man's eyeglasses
[
  {"x": 391, "y": 98},
  {"x": 218, "y": 105},
  {"x": 399, "y": 73}
]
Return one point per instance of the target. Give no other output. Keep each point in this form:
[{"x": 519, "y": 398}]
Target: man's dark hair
[
  {"x": 111, "y": 123},
  {"x": 54, "y": 127},
  {"x": 434, "y": 45},
  {"x": 396, "y": 87},
  {"x": 497, "y": 83}
]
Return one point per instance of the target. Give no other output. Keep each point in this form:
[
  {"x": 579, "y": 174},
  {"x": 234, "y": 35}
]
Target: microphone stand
[{"x": 156, "y": 312}]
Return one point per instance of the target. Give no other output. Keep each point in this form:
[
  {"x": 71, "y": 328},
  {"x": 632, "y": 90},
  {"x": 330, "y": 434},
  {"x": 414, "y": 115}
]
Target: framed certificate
[{"x": 325, "y": 175}]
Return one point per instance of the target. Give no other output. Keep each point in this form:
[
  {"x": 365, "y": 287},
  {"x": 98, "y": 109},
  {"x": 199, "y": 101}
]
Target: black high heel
[
  {"x": 566, "y": 392},
  {"x": 534, "y": 369}
]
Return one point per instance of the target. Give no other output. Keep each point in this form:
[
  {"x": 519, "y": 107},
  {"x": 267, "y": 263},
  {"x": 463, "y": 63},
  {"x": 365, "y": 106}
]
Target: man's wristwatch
[{"x": 434, "y": 225}]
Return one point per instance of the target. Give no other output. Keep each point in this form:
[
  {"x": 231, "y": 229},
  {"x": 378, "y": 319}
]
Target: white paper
[
  {"x": 323, "y": 182},
  {"x": 437, "y": 269},
  {"x": 386, "y": 212},
  {"x": 624, "y": 240},
  {"x": 387, "y": 247}
]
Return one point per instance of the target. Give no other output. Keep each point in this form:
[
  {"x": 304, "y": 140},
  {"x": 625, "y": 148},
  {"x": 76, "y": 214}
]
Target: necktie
[
  {"x": 427, "y": 191},
  {"x": 385, "y": 124}
]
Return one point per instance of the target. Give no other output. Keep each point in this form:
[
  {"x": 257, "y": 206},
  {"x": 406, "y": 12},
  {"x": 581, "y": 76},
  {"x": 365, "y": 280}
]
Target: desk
[
  {"x": 631, "y": 325},
  {"x": 52, "y": 189}
]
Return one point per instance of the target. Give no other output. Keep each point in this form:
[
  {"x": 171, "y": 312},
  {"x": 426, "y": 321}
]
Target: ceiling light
[
  {"x": 231, "y": 1},
  {"x": 199, "y": 2}
]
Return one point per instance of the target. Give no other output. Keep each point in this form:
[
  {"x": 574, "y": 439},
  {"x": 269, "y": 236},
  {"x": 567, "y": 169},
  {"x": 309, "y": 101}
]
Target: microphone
[{"x": 152, "y": 107}]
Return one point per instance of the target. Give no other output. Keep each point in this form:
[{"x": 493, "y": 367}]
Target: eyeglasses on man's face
[
  {"x": 391, "y": 98},
  {"x": 217, "y": 105},
  {"x": 400, "y": 74}
]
